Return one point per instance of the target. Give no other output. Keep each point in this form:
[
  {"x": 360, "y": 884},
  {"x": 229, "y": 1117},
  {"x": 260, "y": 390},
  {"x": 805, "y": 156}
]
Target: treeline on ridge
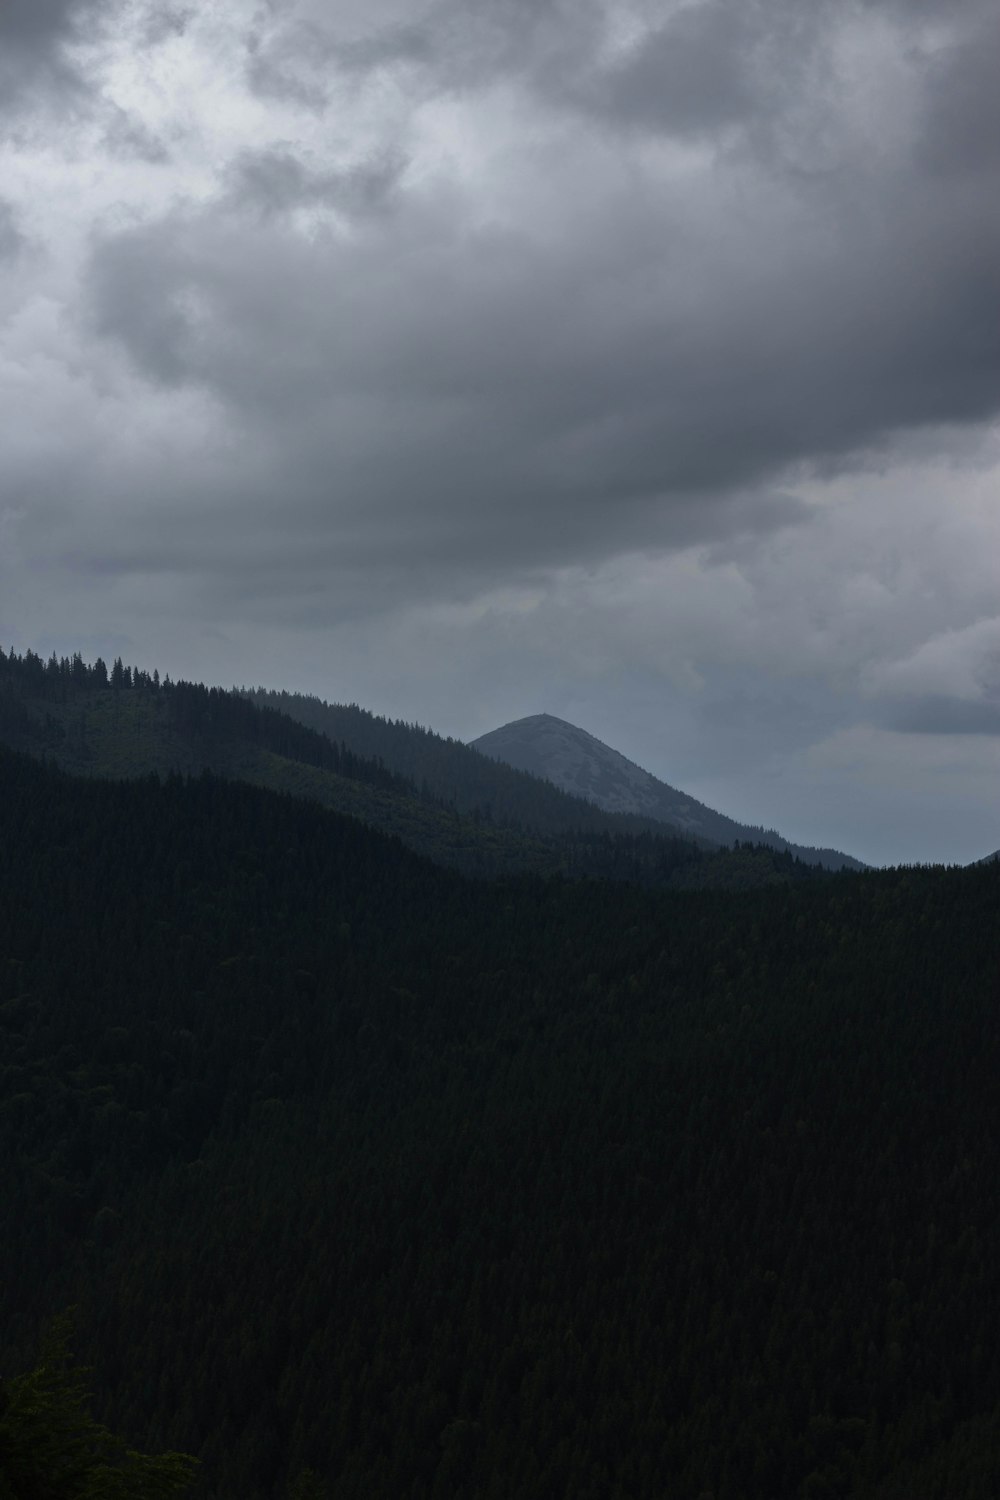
[
  {"x": 470, "y": 780},
  {"x": 488, "y": 820}
]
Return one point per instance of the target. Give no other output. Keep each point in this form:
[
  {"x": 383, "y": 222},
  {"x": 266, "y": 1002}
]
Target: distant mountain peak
[
  {"x": 547, "y": 719},
  {"x": 578, "y": 762}
]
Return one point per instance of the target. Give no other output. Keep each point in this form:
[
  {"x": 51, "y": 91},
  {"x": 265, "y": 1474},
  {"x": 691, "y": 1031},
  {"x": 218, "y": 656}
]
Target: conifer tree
[{"x": 51, "y": 1447}]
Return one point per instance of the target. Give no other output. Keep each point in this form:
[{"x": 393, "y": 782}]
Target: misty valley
[{"x": 382, "y": 1119}]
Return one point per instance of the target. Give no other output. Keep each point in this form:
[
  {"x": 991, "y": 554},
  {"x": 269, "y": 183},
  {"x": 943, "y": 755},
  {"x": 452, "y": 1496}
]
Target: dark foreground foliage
[
  {"x": 538, "y": 1189},
  {"x": 51, "y": 1448}
]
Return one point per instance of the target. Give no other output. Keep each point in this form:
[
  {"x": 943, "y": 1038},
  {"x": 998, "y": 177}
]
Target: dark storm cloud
[
  {"x": 162, "y": 22},
  {"x": 693, "y": 74},
  {"x": 12, "y": 241},
  {"x": 426, "y": 365},
  {"x": 34, "y": 41},
  {"x": 961, "y": 131},
  {"x": 126, "y": 136},
  {"x": 300, "y": 50},
  {"x": 629, "y": 358},
  {"x": 939, "y": 714},
  {"x": 276, "y": 181},
  {"x": 707, "y": 65},
  {"x": 36, "y": 30},
  {"x": 298, "y": 62},
  {"x": 43, "y": 77},
  {"x": 768, "y": 66}
]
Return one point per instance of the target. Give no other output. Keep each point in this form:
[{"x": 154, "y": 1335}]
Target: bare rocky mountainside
[{"x": 578, "y": 763}]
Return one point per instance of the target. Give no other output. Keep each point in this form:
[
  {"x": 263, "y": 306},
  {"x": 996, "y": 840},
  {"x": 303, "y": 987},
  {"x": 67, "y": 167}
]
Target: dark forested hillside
[
  {"x": 126, "y": 722},
  {"x": 524, "y": 786},
  {"x": 533, "y": 1188},
  {"x": 455, "y": 773}
]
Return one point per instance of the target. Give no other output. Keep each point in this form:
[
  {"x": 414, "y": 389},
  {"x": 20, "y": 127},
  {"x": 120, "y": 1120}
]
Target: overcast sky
[{"x": 470, "y": 359}]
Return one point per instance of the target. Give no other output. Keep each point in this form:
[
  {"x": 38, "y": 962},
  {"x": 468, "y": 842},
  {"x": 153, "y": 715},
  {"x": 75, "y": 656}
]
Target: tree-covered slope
[
  {"x": 127, "y": 723},
  {"x": 456, "y": 773},
  {"x": 540, "y": 773},
  {"x": 534, "y": 1189}
]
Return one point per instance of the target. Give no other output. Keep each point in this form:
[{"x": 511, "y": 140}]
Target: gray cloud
[
  {"x": 581, "y": 383},
  {"x": 961, "y": 131},
  {"x": 949, "y": 685},
  {"x": 772, "y": 67},
  {"x": 127, "y": 136},
  {"x": 694, "y": 73},
  {"x": 276, "y": 181},
  {"x": 35, "y": 60},
  {"x": 297, "y": 60},
  {"x": 36, "y": 30},
  {"x": 42, "y": 69},
  {"x": 12, "y": 241},
  {"x": 705, "y": 65},
  {"x": 163, "y": 22},
  {"x": 296, "y": 51},
  {"x": 939, "y": 714}
]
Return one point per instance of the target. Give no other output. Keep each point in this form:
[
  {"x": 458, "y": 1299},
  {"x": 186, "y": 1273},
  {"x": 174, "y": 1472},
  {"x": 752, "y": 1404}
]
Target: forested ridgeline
[
  {"x": 471, "y": 780},
  {"x": 127, "y": 722},
  {"x": 524, "y": 1189},
  {"x": 453, "y": 772}
]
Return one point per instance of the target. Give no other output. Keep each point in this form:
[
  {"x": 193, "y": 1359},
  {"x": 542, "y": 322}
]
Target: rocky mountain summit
[{"x": 579, "y": 763}]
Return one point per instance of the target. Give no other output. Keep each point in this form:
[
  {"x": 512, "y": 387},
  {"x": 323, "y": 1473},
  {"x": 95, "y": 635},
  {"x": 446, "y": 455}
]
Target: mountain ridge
[
  {"x": 579, "y": 763},
  {"x": 443, "y": 800}
]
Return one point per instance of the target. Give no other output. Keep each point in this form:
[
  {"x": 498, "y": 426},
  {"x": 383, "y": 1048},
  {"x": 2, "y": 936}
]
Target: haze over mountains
[{"x": 578, "y": 763}]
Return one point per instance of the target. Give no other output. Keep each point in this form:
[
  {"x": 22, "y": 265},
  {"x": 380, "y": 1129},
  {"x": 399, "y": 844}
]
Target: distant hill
[
  {"x": 440, "y": 798},
  {"x": 506, "y": 795},
  {"x": 578, "y": 763},
  {"x": 459, "y": 775}
]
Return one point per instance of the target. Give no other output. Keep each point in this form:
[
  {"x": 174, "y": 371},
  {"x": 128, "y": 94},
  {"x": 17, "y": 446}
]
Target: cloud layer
[{"x": 516, "y": 321}]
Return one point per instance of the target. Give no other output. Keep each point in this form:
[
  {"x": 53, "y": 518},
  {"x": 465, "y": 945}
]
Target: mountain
[
  {"x": 440, "y": 798},
  {"x": 453, "y": 773},
  {"x": 578, "y": 763},
  {"x": 504, "y": 796}
]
